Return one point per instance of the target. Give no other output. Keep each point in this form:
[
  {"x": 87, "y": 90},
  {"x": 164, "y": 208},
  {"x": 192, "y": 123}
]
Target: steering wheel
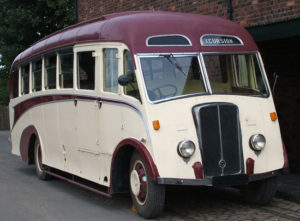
[{"x": 158, "y": 91}]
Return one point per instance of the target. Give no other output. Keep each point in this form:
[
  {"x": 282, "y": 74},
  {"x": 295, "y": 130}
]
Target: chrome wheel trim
[
  {"x": 38, "y": 157},
  {"x": 138, "y": 182}
]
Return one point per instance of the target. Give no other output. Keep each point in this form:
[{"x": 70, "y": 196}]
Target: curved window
[
  {"x": 25, "y": 79},
  {"x": 15, "y": 74},
  {"x": 168, "y": 40}
]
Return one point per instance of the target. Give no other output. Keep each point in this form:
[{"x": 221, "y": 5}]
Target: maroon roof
[{"x": 133, "y": 28}]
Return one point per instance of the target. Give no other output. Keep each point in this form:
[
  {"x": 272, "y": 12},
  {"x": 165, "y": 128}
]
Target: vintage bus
[{"x": 136, "y": 101}]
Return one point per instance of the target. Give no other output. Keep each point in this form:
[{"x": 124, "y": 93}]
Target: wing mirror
[{"x": 124, "y": 80}]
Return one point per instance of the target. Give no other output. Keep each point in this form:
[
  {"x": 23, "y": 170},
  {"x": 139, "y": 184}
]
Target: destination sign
[{"x": 220, "y": 40}]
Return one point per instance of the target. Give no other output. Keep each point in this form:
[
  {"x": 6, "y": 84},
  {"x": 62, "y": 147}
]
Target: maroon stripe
[{"x": 22, "y": 107}]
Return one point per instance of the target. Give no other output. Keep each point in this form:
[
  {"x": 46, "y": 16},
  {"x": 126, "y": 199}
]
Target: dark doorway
[{"x": 283, "y": 56}]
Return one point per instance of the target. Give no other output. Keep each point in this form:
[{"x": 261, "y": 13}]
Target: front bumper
[{"x": 222, "y": 181}]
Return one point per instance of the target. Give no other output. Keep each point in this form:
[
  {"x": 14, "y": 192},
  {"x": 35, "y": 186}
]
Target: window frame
[
  {"x": 96, "y": 48},
  {"x": 50, "y": 54},
  {"x": 32, "y": 75},
  {"x": 260, "y": 66},
  {"x": 94, "y": 55},
  {"x": 142, "y": 55},
  {"x": 59, "y": 69},
  {"x": 120, "y": 67},
  {"x": 123, "y": 88},
  {"x": 21, "y": 93}
]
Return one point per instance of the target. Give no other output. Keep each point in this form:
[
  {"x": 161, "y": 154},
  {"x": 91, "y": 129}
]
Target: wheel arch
[
  {"x": 27, "y": 141},
  {"x": 119, "y": 172}
]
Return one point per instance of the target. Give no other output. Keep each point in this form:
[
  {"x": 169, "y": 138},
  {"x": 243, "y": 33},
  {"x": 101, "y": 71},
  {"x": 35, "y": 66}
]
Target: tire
[
  {"x": 148, "y": 197},
  {"x": 40, "y": 171},
  {"x": 260, "y": 192}
]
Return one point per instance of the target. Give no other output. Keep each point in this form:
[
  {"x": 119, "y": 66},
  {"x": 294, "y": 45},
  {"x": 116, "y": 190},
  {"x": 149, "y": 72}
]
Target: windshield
[
  {"x": 235, "y": 74},
  {"x": 168, "y": 76}
]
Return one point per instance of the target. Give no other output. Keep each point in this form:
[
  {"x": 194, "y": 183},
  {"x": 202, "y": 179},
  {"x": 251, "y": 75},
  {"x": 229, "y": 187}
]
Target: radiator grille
[{"x": 219, "y": 138}]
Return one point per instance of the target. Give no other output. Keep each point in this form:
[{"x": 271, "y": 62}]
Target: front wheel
[
  {"x": 40, "y": 171},
  {"x": 148, "y": 197},
  {"x": 260, "y": 192}
]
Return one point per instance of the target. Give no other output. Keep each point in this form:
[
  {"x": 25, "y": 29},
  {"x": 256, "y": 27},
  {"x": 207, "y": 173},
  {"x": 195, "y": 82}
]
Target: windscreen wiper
[{"x": 174, "y": 62}]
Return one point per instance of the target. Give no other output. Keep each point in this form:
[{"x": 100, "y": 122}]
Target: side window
[
  {"x": 50, "y": 72},
  {"x": 36, "y": 75},
  {"x": 25, "y": 79},
  {"x": 66, "y": 69},
  {"x": 86, "y": 70},
  {"x": 15, "y": 83},
  {"x": 111, "y": 70},
  {"x": 132, "y": 88}
]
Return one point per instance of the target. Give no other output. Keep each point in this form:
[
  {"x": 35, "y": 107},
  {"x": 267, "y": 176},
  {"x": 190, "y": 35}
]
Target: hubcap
[
  {"x": 138, "y": 182},
  {"x": 135, "y": 183}
]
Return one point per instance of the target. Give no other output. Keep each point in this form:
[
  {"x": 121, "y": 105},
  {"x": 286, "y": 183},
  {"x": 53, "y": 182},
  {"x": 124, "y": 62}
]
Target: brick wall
[{"x": 246, "y": 12}]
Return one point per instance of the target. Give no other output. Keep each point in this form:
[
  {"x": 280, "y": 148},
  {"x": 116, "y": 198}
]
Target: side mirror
[
  {"x": 124, "y": 80},
  {"x": 276, "y": 77}
]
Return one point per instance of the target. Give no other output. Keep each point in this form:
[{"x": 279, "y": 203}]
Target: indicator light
[
  {"x": 273, "y": 116},
  {"x": 156, "y": 124}
]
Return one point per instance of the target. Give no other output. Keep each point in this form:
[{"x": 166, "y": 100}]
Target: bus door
[{"x": 86, "y": 152}]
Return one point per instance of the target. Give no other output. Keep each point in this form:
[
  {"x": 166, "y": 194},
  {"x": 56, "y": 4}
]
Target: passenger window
[
  {"x": 111, "y": 70},
  {"x": 25, "y": 79},
  {"x": 66, "y": 69},
  {"x": 50, "y": 72},
  {"x": 132, "y": 88},
  {"x": 37, "y": 75},
  {"x": 86, "y": 70},
  {"x": 15, "y": 83}
]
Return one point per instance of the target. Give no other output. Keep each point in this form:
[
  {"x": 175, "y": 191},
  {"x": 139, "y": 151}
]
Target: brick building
[{"x": 274, "y": 25}]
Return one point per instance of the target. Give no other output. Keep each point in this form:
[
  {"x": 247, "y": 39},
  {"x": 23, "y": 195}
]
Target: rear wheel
[
  {"x": 260, "y": 192},
  {"x": 148, "y": 197},
  {"x": 40, "y": 171}
]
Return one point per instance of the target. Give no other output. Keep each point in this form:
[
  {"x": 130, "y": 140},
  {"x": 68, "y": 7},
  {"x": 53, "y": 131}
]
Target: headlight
[
  {"x": 186, "y": 148},
  {"x": 257, "y": 142}
]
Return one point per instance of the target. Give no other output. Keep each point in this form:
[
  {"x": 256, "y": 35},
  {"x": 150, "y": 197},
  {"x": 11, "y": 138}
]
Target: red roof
[{"x": 133, "y": 28}]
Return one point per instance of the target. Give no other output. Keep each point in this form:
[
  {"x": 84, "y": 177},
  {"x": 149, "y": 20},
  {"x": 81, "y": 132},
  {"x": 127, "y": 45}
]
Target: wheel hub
[
  {"x": 138, "y": 182},
  {"x": 135, "y": 182}
]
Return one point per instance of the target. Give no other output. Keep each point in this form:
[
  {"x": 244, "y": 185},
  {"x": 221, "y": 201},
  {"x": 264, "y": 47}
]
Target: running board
[{"x": 94, "y": 187}]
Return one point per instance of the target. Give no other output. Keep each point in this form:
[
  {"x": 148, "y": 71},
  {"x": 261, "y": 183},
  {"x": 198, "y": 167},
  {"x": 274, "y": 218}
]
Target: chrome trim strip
[{"x": 205, "y": 73}]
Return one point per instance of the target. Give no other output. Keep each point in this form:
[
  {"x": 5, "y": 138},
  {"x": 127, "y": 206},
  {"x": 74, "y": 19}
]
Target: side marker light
[
  {"x": 156, "y": 124},
  {"x": 273, "y": 116}
]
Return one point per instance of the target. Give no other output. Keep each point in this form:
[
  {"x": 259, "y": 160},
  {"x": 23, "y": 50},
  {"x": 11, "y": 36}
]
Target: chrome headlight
[
  {"x": 186, "y": 148},
  {"x": 257, "y": 142}
]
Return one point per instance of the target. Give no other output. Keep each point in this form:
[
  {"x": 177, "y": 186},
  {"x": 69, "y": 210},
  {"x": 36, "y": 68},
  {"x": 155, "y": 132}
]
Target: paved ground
[{"x": 24, "y": 197}]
